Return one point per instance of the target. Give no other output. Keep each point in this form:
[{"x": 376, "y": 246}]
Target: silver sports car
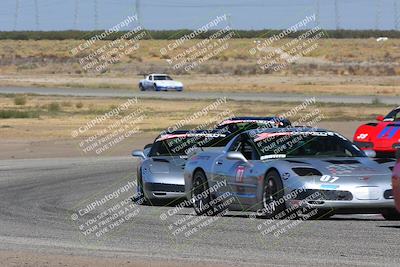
[
  {"x": 160, "y": 171},
  {"x": 273, "y": 171}
]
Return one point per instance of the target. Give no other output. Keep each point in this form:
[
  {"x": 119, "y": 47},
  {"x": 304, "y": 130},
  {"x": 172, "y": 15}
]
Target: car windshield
[
  {"x": 394, "y": 115},
  {"x": 162, "y": 78},
  {"x": 183, "y": 144},
  {"x": 238, "y": 127},
  {"x": 304, "y": 144}
]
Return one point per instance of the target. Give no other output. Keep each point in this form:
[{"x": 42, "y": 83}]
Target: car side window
[
  {"x": 397, "y": 116},
  {"x": 244, "y": 146},
  {"x": 236, "y": 144},
  {"x": 248, "y": 150},
  {"x": 151, "y": 77}
]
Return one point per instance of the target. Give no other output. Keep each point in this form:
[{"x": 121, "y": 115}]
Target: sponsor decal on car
[{"x": 362, "y": 136}]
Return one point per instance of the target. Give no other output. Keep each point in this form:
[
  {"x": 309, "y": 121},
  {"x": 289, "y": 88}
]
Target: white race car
[{"x": 159, "y": 82}]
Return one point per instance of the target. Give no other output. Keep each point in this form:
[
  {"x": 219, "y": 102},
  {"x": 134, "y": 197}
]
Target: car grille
[
  {"x": 325, "y": 194},
  {"x": 165, "y": 187}
]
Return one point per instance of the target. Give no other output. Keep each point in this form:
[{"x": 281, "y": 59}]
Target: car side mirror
[
  {"x": 138, "y": 153},
  {"x": 379, "y": 118},
  {"x": 370, "y": 153},
  {"x": 236, "y": 155}
]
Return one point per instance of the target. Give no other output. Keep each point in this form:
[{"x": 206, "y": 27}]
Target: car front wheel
[
  {"x": 273, "y": 202},
  {"x": 201, "y": 196},
  {"x": 141, "y": 198}
]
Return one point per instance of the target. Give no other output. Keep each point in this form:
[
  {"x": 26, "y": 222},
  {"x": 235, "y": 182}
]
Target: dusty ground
[
  {"x": 336, "y": 66},
  {"x": 34, "y": 147},
  {"x": 56, "y": 126},
  {"x": 272, "y": 83},
  {"x": 26, "y": 258}
]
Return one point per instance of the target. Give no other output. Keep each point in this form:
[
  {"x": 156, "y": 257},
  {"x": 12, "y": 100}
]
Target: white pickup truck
[{"x": 159, "y": 82}]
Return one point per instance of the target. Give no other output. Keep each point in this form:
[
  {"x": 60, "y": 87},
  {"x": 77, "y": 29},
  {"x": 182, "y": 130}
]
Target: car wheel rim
[
  {"x": 270, "y": 197},
  {"x": 197, "y": 191}
]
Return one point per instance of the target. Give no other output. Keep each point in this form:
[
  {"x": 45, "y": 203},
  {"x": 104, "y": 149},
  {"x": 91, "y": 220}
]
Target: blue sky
[{"x": 178, "y": 14}]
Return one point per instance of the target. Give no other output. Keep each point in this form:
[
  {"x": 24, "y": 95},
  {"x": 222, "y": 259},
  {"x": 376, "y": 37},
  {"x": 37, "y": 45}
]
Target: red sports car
[{"x": 381, "y": 136}]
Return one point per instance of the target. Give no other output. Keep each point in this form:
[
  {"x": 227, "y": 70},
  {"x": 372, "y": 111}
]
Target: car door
[
  {"x": 236, "y": 174},
  {"x": 149, "y": 82},
  {"x": 241, "y": 177}
]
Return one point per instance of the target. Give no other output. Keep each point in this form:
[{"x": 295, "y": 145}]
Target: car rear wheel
[
  {"x": 391, "y": 215},
  {"x": 273, "y": 202},
  {"x": 141, "y": 87},
  {"x": 201, "y": 196}
]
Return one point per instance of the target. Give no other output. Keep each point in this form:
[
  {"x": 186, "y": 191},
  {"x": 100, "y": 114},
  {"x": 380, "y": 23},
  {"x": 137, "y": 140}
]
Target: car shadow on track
[
  {"x": 334, "y": 218},
  {"x": 390, "y": 226}
]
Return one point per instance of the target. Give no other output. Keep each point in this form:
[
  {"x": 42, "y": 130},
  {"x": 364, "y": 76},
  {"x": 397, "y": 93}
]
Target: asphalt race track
[
  {"x": 37, "y": 198},
  {"x": 266, "y": 97}
]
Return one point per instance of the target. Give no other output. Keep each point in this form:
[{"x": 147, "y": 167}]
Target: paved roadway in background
[{"x": 267, "y": 97}]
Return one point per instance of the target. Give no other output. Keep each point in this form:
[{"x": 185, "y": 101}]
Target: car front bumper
[
  {"x": 359, "y": 200},
  {"x": 167, "y": 88},
  {"x": 163, "y": 191}
]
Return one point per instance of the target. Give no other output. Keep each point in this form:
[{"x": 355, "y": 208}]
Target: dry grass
[
  {"x": 337, "y": 66},
  {"x": 160, "y": 114},
  {"x": 335, "y": 50},
  {"x": 328, "y": 84}
]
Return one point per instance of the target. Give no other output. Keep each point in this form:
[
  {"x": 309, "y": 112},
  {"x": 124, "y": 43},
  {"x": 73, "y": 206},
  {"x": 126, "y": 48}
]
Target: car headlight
[{"x": 301, "y": 171}]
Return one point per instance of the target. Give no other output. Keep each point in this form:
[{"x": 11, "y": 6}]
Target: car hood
[
  {"x": 358, "y": 166},
  {"x": 165, "y": 169},
  {"x": 337, "y": 172},
  {"x": 378, "y": 131}
]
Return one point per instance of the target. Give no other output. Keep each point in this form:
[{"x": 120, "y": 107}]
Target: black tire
[
  {"x": 155, "y": 87},
  {"x": 391, "y": 215},
  {"x": 272, "y": 200},
  {"x": 141, "y": 87},
  {"x": 320, "y": 215},
  {"x": 202, "y": 201},
  {"x": 141, "y": 199}
]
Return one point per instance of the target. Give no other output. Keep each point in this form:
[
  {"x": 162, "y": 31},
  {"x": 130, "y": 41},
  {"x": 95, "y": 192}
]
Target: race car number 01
[{"x": 329, "y": 178}]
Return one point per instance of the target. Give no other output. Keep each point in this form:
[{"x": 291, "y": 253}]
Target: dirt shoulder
[
  {"x": 25, "y": 258},
  {"x": 30, "y": 148},
  {"x": 58, "y": 126},
  {"x": 335, "y": 66}
]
